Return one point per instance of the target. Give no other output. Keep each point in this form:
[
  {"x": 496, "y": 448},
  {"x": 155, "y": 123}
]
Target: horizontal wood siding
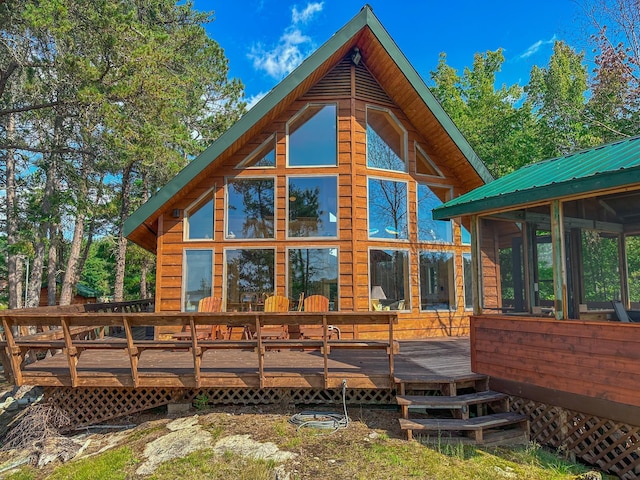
[{"x": 597, "y": 360}]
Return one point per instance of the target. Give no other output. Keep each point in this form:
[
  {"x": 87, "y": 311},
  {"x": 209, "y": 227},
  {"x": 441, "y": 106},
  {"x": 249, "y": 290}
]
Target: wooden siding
[
  {"x": 353, "y": 243},
  {"x": 588, "y": 359}
]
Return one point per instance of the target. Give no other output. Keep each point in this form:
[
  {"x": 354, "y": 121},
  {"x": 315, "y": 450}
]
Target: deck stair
[{"x": 459, "y": 410}]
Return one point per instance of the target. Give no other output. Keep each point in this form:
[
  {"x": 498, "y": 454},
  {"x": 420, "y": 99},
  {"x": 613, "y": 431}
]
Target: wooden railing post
[
  {"x": 260, "y": 351},
  {"x": 13, "y": 351},
  {"x": 134, "y": 353},
  {"x": 196, "y": 351},
  {"x": 70, "y": 350}
]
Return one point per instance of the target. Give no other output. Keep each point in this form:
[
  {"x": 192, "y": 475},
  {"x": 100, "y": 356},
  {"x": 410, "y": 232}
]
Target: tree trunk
[
  {"x": 12, "y": 217},
  {"x": 121, "y": 252},
  {"x": 71, "y": 274},
  {"x": 144, "y": 268}
]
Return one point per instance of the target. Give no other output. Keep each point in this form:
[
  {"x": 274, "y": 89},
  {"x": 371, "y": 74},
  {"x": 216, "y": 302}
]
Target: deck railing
[{"x": 72, "y": 334}]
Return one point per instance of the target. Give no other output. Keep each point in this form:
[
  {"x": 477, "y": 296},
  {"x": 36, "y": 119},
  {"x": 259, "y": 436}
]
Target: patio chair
[
  {"x": 206, "y": 332},
  {"x": 275, "y": 303},
  {"x": 317, "y": 303},
  {"x": 620, "y": 311}
]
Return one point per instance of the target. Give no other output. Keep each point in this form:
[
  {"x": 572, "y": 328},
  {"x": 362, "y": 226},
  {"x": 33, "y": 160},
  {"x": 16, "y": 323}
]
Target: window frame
[
  {"x": 418, "y": 148},
  {"x": 404, "y": 141},
  {"x": 288, "y": 134},
  {"x": 244, "y": 163},
  {"x": 225, "y": 266},
  {"x": 369, "y": 228},
  {"x": 183, "y": 283},
  {"x": 317, "y": 247},
  {"x": 226, "y": 236},
  {"x": 406, "y": 281},
  {"x": 453, "y": 281},
  {"x": 200, "y": 201},
  {"x": 287, "y": 201},
  {"x": 448, "y": 196}
]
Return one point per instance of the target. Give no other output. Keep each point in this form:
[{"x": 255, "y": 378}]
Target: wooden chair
[
  {"x": 620, "y": 311},
  {"x": 317, "y": 303},
  {"x": 205, "y": 332},
  {"x": 275, "y": 303}
]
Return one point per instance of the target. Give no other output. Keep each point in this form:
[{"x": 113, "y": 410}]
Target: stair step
[
  {"x": 489, "y": 439},
  {"x": 476, "y": 425},
  {"x": 458, "y": 401}
]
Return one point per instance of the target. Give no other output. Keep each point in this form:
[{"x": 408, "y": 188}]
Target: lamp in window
[{"x": 378, "y": 293}]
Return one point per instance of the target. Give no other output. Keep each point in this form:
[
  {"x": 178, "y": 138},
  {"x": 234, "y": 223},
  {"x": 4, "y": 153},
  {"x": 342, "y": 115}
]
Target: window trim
[
  {"x": 225, "y": 276},
  {"x": 448, "y": 196},
  {"x": 243, "y": 164},
  {"x": 418, "y": 148},
  {"x": 226, "y": 207},
  {"x": 317, "y": 247},
  {"x": 405, "y": 139},
  {"x": 183, "y": 286},
  {"x": 453, "y": 308},
  {"x": 383, "y": 239},
  {"x": 408, "y": 295},
  {"x": 337, "y": 235},
  {"x": 185, "y": 219},
  {"x": 298, "y": 115}
]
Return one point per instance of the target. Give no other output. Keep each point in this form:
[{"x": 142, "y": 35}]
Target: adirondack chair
[
  {"x": 275, "y": 303},
  {"x": 206, "y": 332},
  {"x": 317, "y": 303}
]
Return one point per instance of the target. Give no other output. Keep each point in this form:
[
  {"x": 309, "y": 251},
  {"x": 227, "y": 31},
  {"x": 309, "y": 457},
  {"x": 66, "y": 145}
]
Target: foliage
[{"x": 110, "y": 465}]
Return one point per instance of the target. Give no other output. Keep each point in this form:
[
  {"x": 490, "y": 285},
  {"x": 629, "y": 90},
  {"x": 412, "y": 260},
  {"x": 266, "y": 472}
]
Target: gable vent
[
  {"x": 368, "y": 88},
  {"x": 336, "y": 83}
]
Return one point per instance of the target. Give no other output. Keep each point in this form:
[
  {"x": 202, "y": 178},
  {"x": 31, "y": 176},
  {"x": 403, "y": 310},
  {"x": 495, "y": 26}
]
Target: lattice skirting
[
  {"x": 612, "y": 446},
  {"x": 91, "y": 406}
]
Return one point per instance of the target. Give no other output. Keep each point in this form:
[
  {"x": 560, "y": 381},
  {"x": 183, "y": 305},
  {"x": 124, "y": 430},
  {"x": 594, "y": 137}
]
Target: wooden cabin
[
  {"x": 326, "y": 186},
  {"x": 556, "y": 294}
]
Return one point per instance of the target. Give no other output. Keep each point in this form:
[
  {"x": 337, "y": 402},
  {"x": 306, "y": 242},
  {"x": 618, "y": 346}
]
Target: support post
[
  {"x": 559, "y": 261},
  {"x": 476, "y": 265}
]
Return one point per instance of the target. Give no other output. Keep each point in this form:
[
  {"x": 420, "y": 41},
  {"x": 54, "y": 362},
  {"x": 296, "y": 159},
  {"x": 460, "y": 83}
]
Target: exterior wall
[{"x": 352, "y": 89}]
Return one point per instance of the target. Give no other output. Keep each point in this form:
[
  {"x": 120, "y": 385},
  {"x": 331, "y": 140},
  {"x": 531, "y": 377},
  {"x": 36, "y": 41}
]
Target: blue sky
[{"x": 265, "y": 39}]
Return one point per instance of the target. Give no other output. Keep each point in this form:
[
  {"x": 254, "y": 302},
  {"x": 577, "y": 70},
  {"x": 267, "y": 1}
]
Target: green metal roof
[
  {"x": 604, "y": 167},
  {"x": 365, "y": 18}
]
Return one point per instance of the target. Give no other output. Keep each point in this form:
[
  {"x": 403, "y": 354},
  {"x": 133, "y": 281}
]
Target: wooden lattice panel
[
  {"x": 612, "y": 446},
  {"x": 91, "y": 406},
  {"x": 87, "y": 406}
]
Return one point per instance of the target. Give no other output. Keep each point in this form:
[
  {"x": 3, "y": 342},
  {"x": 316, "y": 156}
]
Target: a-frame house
[{"x": 325, "y": 186}]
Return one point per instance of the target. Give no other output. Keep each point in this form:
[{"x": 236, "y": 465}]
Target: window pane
[
  {"x": 313, "y": 207},
  {"x": 387, "y": 209},
  {"x": 385, "y": 141},
  {"x": 198, "y": 274},
  {"x": 430, "y": 230},
  {"x": 314, "y": 271},
  {"x": 313, "y": 137},
  {"x": 389, "y": 279},
  {"x": 263, "y": 156},
  {"x": 250, "y": 207},
  {"x": 466, "y": 236},
  {"x": 250, "y": 278},
  {"x": 600, "y": 260},
  {"x": 200, "y": 221},
  {"x": 424, "y": 165},
  {"x": 468, "y": 287},
  {"x": 437, "y": 287}
]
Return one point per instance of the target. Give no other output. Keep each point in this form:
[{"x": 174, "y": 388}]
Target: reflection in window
[
  {"x": 314, "y": 271},
  {"x": 250, "y": 278},
  {"x": 430, "y": 230},
  {"x": 386, "y": 141},
  {"x": 250, "y": 207},
  {"x": 199, "y": 221},
  {"x": 312, "y": 207},
  {"x": 468, "y": 287},
  {"x": 197, "y": 281},
  {"x": 313, "y": 137},
  {"x": 387, "y": 209},
  {"x": 437, "y": 286},
  {"x": 389, "y": 279},
  {"x": 262, "y": 157},
  {"x": 424, "y": 165}
]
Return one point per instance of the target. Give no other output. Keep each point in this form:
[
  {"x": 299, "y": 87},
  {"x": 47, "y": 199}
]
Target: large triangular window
[
  {"x": 386, "y": 141},
  {"x": 262, "y": 157},
  {"x": 198, "y": 219}
]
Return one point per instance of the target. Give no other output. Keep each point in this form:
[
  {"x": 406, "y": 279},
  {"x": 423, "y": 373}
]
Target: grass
[{"x": 363, "y": 451}]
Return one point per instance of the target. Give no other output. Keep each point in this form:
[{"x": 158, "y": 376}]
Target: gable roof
[
  {"x": 413, "y": 96},
  {"x": 605, "y": 167}
]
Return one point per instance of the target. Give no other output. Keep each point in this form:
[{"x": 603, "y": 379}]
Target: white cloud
[
  {"x": 292, "y": 47},
  {"x": 305, "y": 15},
  {"x": 252, "y": 100},
  {"x": 537, "y": 46}
]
